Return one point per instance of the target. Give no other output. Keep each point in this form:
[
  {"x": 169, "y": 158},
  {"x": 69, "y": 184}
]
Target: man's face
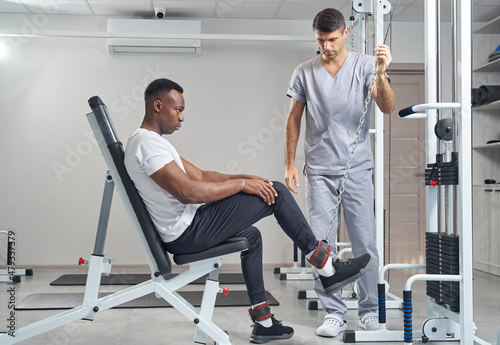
[
  {"x": 331, "y": 43},
  {"x": 170, "y": 107}
]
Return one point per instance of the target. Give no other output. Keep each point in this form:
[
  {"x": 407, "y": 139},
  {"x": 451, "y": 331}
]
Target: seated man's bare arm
[
  {"x": 190, "y": 188},
  {"x": 213, "y": 176}
]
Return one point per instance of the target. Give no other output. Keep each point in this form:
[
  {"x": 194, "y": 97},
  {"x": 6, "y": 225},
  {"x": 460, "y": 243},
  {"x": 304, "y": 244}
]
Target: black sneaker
[
  {"x": 345, "y": 272},
  {"x": 277, "y": 331}
]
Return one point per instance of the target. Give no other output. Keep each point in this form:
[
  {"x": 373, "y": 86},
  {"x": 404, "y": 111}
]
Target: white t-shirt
[{"x": 146, "y": 153}]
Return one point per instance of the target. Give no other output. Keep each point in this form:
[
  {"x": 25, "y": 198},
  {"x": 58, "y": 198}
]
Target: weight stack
[
  {"x": 445, "y": 173},
  {"x": 442, "y": 257}
]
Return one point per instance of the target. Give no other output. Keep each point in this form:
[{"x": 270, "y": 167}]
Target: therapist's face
[{"x": 331, "y": 43}]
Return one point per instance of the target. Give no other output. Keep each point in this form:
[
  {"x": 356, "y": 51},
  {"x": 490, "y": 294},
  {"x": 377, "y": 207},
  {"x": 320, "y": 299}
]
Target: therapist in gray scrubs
[{"x": 332, "y": 88}]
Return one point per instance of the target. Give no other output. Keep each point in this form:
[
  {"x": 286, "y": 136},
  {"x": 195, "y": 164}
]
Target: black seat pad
[{"x": 232, "y": 245}]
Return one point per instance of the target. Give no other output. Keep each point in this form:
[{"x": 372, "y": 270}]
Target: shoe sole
[
  {"x": 331, "y": 335},
  {"x": 336, "y": 287},
  {"x": 262, "y": 339}
]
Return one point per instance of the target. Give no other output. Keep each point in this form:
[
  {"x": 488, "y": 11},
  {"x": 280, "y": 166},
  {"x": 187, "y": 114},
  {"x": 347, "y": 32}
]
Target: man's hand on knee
[{"x": 263, "y": 188}]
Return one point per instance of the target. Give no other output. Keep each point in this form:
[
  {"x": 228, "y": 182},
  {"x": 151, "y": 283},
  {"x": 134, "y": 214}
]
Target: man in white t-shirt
[{"x": 194, "y": 210}]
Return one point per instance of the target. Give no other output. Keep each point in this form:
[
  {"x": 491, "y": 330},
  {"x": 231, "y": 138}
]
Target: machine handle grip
[
  {"x": 406, "y": 111},
  {"x": 427, "y": 106}
]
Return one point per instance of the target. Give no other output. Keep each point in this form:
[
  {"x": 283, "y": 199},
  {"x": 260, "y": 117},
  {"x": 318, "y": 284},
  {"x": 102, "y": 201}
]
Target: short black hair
[
  {"x": 329, "y": 20},
  {"x": 159, "y": 86}
]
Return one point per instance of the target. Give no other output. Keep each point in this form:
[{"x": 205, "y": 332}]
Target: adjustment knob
[{"x": 225, "y": 291}]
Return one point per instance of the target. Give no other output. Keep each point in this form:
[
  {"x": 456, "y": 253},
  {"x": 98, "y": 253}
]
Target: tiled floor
[{"x": 167, "y": 326}]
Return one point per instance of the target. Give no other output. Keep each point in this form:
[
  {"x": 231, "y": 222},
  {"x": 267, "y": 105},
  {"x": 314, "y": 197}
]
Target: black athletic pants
[{"x": 234, "y": 216}]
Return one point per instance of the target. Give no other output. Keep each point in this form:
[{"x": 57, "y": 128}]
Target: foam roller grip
[
  {"x": 381, "y": 304},
  {"x": 406, "y": 111},
  {"x": 407, "y": 316}
]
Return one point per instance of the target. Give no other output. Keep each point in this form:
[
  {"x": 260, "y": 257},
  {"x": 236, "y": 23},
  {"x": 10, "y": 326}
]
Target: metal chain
[
  {"x": 351, "y": 32},
  {"x": 351, "y": 156}
]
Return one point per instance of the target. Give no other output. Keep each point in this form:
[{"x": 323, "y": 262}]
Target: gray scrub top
[{"x": 334, "y": 106}]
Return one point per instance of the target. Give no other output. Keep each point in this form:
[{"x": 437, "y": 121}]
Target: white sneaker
[
  {"x": 369, "y": 322},
  {"x": 331, "y": 327}
]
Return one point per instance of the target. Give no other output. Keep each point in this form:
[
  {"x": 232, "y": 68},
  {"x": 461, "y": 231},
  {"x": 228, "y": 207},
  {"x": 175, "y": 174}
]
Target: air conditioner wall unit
[{"x": 149, "y": 46}]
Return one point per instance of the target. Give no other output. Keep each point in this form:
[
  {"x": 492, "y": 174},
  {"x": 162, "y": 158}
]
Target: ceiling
[{"x": 404, "y": 10}]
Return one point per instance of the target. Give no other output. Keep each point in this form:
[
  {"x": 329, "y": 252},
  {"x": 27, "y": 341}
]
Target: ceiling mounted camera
[{"x": 159, "y": 12}]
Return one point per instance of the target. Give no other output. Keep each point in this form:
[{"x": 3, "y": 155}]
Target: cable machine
[{"x": 448, "y": 197}]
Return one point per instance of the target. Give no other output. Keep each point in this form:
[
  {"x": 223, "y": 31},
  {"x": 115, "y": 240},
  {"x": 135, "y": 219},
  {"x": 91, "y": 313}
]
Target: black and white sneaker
[
  {"x": 277, "y": 331},
  {"x": 345, "y": 272}
]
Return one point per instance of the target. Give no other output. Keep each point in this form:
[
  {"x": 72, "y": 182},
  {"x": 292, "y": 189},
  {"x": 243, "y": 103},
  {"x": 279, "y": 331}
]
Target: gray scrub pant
[{"x": 357, "y": 203}]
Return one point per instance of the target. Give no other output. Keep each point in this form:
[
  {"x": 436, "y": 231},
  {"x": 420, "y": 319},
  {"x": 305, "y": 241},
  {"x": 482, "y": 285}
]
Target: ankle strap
[
  {"x": 321, "y": 255},
  {"x": 260, "y": 312}
]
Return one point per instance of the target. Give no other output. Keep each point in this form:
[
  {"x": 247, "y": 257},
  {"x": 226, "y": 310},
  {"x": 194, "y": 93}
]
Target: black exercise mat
[
  {"x": 134, "y": 279},
  {"x": 51, "y": 301}
]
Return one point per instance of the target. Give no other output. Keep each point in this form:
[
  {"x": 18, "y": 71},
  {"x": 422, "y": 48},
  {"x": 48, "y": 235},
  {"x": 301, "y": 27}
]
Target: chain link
[
  {"x": 351, "y": 32},
  {"x": 351, "y": 155}
]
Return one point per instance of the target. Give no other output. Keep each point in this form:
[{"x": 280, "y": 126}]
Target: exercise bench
[{"x": 203, "y": 263}]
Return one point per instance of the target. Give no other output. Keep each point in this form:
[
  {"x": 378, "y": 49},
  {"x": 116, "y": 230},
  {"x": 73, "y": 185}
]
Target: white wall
[{"x": 52, "y": 173}]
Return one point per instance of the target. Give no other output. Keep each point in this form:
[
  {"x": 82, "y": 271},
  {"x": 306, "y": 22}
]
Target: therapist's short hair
[{"x": 329, "y": 20}]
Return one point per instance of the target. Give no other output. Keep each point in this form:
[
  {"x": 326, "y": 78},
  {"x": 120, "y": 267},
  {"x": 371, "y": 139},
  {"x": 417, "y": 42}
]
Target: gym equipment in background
[
  {"x": 10, "y": 274},
  {"x": 448, "y": 201}
]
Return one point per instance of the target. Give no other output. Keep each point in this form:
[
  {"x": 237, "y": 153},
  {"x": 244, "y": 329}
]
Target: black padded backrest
[{"x": 116, "y": 151}]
